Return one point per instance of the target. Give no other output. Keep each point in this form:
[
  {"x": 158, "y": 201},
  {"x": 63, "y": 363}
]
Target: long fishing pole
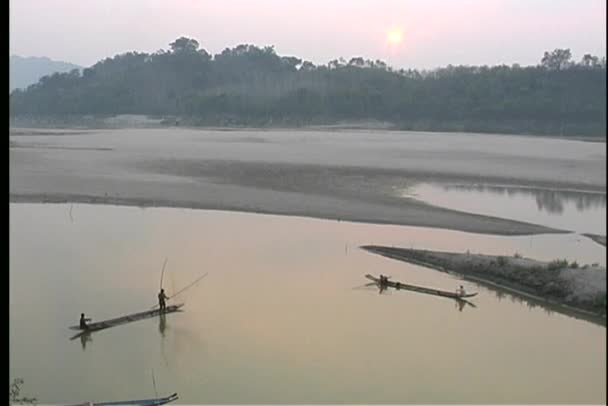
[
  {"x": 192, "y": 284},
  {"x": 162, "y": 273},
  {"x": 189, "y": 286}
]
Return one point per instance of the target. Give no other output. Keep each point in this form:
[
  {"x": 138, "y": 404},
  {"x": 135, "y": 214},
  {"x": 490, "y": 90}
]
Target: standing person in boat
[
  {"x": 461, "y": 291},
  {"x": 83, "y": 322},
  {"x": 161, "y": 300}
]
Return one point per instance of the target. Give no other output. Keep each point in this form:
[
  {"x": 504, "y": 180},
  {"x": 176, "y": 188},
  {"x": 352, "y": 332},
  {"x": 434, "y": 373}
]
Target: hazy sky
[{"x": 424, "y": 33}]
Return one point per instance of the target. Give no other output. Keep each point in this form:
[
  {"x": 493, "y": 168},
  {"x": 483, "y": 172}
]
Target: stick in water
[{"x": 154, "y": 383}]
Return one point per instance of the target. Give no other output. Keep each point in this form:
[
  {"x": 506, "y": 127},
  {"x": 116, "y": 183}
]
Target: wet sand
[
  {"x": 342, "y": 175},
  {"x": 600, "y": 239}
]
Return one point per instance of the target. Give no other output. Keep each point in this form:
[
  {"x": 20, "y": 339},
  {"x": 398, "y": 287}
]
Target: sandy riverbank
[
  {"x": 355, "y": 176},
  {"x": 573, "y": 287},
  {"x": 600, "y": 239}
]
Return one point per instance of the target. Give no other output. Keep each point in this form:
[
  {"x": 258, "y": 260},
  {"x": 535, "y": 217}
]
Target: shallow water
[
  {"x": 581, "y": 212},
  {"x": 281, "y": 317}
]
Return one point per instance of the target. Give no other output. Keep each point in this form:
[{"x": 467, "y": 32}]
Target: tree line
[{"x": 253, "y": 86}]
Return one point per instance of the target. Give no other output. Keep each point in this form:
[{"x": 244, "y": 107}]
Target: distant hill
[{"x": 27, "y": 71}]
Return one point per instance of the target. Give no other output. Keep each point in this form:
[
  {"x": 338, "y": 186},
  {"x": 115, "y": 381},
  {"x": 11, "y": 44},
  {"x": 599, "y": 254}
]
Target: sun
[{"x": 394, "y": 36}]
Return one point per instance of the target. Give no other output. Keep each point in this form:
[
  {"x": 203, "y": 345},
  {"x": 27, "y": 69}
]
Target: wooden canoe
[
  {"x": 100, "y": 325},
  {"x": 420, "y": 289},
  {"x": 143, "y": 402}
]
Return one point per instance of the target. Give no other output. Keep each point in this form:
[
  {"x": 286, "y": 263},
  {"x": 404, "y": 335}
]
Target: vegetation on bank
[
  {"x": 249, "y": 85},
  {"x": 15, "y": 396}
]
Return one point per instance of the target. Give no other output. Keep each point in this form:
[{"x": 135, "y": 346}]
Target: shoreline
[
  {"x": 517, "y": 228},
  {"x": 451, "y": 263},
  {"x": 324, "y": 175},
  {"x": 354, "y": 127},
  {"x": 600, "y": 239}
]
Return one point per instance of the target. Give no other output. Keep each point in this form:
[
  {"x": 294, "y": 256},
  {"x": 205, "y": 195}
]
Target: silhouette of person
[
  {"x": 161, "y": 300},
  {"x": 83, "y": 322}
]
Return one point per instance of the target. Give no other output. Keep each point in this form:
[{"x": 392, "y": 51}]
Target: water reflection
[
  {"x": 551, "y": 201},
  {"x": 162, "y": 324},
  {"x": 547, "y": 307},
  {"x": 583, "y": 212},
  {"x": 84, "y": 338},
  {"x": 279, "y": 317}
]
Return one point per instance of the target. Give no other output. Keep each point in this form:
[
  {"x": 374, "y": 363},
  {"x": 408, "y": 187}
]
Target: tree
[
  {"x": 291, "y": 62},
  {"x": 357, "y": 61},
  {"x": 250, "y": 85},
  {"x": 380, "y": 64},
  {"x": 556, "y": 60},
  {"x": 205, "y": 55},
  {"x": 589, "y": 61},
  {"x": 307, "y": 66},
  {"x": 184, "y": 44},
  {"x": 333, "y": 64}
]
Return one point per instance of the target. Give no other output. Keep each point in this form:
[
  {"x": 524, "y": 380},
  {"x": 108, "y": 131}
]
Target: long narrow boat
[
  {"x": 100, "y": 325},
  {"x": 143, "y": 402},
  {"x": 419, "y": 289}
]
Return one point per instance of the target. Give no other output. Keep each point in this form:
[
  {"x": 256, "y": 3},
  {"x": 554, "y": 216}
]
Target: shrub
[
  {"x": 557, "y": 264},
  {"x": 15, "y": 391}
]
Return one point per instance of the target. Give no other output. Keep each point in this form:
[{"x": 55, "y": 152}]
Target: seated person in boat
[
  {"x": 83, "y": 322},
  {"x": 461, "y": 291},
  {"x": 161, "y": 300}
]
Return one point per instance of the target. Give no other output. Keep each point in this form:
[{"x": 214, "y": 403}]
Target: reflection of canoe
[
  {"x": 419, "y": 289},
  {"x": 144, "y": 402},
  {"x": 100, "y": 325}
]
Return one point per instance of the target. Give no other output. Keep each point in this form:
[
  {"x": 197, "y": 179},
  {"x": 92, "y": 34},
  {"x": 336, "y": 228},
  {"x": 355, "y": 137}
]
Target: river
[{"x": 283, "y": 316}]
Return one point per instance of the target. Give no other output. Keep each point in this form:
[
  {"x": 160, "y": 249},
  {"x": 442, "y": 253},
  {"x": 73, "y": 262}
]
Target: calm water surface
[
  {"x": 582, "y": 212},
  {"x": 281, "y": 317}
]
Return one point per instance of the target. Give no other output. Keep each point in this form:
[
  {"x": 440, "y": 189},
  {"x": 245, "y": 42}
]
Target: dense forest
[{"x": 252, "y": 86}]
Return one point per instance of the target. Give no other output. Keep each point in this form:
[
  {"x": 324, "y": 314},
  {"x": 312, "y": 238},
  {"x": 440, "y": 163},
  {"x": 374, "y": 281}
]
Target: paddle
[{"x": 367, "y": 285}]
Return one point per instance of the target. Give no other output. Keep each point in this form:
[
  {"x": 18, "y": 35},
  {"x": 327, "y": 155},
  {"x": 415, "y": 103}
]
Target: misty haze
[{"x": 307, "y": 203}]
